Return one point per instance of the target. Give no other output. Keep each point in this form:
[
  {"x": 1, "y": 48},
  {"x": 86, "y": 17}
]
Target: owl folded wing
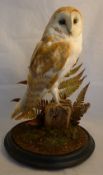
[{"x": 49, "y": 58}]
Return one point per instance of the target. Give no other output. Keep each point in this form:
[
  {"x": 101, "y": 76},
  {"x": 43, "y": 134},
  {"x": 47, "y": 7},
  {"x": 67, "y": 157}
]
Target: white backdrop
[{"x": 22, "y": 23}]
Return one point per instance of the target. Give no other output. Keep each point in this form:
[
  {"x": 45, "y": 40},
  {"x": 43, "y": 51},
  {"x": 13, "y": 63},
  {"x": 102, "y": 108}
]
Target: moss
[{"x": 47, "y": 140}]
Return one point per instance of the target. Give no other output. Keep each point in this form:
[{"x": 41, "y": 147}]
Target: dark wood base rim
[{"x": 49, "y": 161}]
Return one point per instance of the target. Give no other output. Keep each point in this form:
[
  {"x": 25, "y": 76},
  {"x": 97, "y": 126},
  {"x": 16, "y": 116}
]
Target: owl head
[{"x": 65, "y": 21}]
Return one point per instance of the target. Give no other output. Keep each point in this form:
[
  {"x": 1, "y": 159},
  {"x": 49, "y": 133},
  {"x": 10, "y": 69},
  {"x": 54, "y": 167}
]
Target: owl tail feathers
[
  {"x": 16, "y": 111},
  {"x": 20, "y": 113}
]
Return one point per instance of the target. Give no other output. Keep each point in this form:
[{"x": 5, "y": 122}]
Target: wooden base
[{"x": 48, "y": 161}]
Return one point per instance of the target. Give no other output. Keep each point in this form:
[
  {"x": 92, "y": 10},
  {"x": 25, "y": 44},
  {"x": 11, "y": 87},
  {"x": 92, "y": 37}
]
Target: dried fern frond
[
  {"x": 69, "y": 90},
  {"x": 71, "y": 81},
  {"x": 15, "y": 100},
  {"x": 23, "y": 82},
  {"x": 76, "y": 62},
  {"x": 78, "y": 113},
  {"x": 79, "y": 107},
  {"x": 73, "y": 70},
  {"x": 66, "y": 102},
  {"x": 81, "y": 96}
]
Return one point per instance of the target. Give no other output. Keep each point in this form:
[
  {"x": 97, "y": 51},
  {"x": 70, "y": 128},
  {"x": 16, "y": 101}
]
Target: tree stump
[{"x": 57, "y": 116}]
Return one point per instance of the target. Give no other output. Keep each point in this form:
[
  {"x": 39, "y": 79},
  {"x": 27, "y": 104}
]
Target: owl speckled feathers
[{"x": 52, "y": 58}]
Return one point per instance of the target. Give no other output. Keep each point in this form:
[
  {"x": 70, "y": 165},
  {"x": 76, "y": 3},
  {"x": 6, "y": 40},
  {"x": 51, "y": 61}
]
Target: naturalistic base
[{"x": 46, "y": 148}]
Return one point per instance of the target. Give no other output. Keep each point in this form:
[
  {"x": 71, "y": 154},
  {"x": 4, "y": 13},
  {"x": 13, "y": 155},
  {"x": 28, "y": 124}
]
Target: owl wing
[{"x": 48, "y": 60}]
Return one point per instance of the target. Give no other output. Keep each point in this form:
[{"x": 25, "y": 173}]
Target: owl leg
[
  {"x": 45, "y": 91},
  {"x": 55, "y": 93}
]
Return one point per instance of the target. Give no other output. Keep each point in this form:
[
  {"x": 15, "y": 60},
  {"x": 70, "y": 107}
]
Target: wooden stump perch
[{"x": 57, "y": 116}]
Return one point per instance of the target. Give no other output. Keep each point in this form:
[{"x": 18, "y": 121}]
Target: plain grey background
[{"x": 22, "y": 23}]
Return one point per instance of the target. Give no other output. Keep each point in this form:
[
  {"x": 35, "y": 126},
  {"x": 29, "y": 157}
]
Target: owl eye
[
  {"x": 62, "y": 22},
  {"x": 75, "y": 21}
]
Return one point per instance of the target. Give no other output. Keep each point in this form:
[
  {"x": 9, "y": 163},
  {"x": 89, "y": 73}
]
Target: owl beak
[
  {"x": 69, "y": 27},
  {"x": 69, "y": 31}
]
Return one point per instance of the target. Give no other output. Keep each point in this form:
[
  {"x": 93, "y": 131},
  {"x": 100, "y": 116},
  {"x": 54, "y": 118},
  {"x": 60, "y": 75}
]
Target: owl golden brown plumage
[{"x": 53, "y": 57}]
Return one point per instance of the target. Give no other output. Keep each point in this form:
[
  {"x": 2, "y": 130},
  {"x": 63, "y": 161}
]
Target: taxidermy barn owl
[{"x": 53, "y": 57}]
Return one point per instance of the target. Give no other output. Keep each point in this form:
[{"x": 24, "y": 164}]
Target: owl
[{"x": 54, "y": 56}]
